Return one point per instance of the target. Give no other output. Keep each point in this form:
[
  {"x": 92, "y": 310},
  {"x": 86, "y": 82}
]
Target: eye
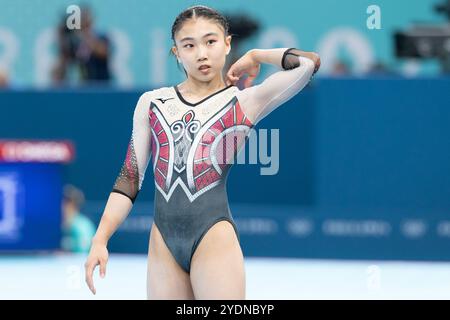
[
  {"x": 187, "y": 45},
  {"x": 212, "y": 40}
]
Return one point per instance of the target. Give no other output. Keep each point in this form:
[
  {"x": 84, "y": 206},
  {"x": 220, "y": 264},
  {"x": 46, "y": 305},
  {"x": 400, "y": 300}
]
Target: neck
[{"x": 202, "y": 88}]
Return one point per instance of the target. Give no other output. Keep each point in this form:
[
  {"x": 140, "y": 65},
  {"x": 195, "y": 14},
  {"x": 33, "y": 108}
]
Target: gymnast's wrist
[
  {"x": 254, "y": 54},
  {"x": 99, "y": 240}
]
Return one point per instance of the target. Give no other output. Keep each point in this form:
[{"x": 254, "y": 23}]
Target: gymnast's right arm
[
  {"x": 125, "y": 189},
  {"x": 297, "y": 68}
]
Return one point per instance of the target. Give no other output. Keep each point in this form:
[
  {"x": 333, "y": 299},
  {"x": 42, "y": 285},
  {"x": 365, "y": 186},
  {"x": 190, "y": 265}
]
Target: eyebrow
[{"x": 208, "y": 34}]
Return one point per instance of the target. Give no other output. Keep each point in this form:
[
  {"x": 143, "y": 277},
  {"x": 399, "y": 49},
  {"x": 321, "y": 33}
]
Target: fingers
[
  {"x": 231, "y": 79},
  {"x": 102, "y": 268},
  {"x": 90, "y": 266},
  {"x": 233, "y": 75},
  {"x": 236, "y": 72}
]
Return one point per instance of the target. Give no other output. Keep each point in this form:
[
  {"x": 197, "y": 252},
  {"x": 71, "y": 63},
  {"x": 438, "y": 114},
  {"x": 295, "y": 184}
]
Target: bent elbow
[{"x": 307, "y": 64}]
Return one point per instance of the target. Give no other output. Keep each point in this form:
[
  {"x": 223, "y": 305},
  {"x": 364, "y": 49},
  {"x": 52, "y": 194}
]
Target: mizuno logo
[{"x": 164, "y": 100}]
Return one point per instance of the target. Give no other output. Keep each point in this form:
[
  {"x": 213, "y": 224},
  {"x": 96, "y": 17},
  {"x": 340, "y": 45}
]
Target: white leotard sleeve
[
  {"x": 260, "y": 100},
  {"x": 131, "y": 176}
]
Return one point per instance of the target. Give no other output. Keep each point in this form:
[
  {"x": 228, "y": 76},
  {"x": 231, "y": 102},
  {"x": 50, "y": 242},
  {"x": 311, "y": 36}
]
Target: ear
[
  {"x": 228, "y": 43},
  {"x": 175, "y": 52}
]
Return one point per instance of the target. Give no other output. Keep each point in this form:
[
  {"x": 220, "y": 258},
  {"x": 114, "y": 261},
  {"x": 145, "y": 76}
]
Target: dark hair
[
  {"x": 197, "y": 12},
  {"x": 73, "y": 194}
]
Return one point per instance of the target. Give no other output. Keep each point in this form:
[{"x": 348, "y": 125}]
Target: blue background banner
[{"x": 141, "y": 35}]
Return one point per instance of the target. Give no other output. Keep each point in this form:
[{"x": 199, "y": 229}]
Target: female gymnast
[{"x": 194, "y": 247}]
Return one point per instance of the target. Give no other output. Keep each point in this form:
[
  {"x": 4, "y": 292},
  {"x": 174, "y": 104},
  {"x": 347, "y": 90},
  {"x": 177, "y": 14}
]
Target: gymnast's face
[{"x": 202, "y": 41}]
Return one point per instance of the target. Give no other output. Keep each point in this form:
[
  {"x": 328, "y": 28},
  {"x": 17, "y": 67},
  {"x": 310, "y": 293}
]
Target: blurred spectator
[
  {"x": 78, "y": 230},
  {"x": 340, "y": 68},
  {"x": 88, "y": 50},
  {"x": 4, "y": 83},
  {"x": 379, "y": 68}
]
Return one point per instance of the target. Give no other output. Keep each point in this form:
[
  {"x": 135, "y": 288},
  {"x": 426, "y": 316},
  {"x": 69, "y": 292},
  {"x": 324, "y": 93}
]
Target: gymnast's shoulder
[{"x": 155, "y": 95}]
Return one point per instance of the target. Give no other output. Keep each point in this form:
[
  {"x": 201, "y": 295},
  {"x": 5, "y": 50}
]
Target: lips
[{"x": 204, "y": 67}]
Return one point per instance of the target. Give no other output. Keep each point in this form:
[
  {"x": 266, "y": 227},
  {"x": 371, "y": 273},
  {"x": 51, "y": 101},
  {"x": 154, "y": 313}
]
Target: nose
[{"x": 201, "y": 53}]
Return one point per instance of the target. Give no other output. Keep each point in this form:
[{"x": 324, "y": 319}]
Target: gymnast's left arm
[{"x": 258, "y": 101}]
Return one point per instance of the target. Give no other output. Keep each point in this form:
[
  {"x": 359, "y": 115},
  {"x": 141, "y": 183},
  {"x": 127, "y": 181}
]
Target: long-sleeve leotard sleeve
[
  {"x": 131, "y": 176},
  {"x": 260, "y": 100}
]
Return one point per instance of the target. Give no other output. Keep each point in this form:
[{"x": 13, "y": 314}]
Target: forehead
[{"x": 197, "y": 28}]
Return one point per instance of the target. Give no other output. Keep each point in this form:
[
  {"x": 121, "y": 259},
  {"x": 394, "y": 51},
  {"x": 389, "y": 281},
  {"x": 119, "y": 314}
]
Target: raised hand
[{"x": 245, "y": 65}]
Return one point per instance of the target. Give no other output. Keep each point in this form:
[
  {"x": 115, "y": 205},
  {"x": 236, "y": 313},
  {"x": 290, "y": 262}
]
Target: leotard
[{"x": 187, "y": 143}]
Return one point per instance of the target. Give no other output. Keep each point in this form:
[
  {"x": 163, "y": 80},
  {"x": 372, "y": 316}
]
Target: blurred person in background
[
  {"x": 88, "y": 50},
  {"x": 4, "y": 83},
  {"x": 340, "y": 68},
  {"x": 379, "y": 68},
  {"x": 78, "y": 230}
]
